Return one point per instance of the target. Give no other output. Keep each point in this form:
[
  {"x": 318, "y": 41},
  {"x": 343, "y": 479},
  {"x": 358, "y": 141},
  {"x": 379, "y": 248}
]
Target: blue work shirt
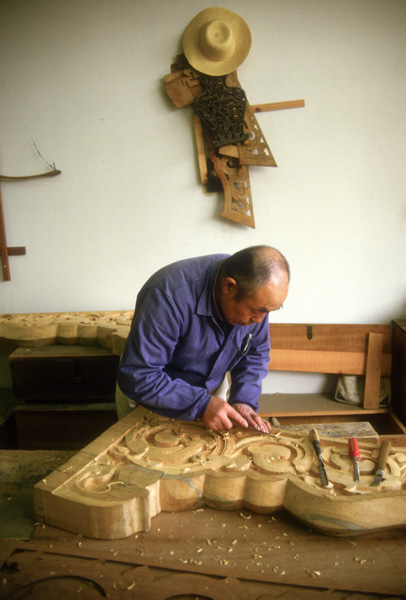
[{"x": 178, "y": 351}]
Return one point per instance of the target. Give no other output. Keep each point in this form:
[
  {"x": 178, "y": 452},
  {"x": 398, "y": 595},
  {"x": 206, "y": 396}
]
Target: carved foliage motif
[{"x": 166, "y": 465}]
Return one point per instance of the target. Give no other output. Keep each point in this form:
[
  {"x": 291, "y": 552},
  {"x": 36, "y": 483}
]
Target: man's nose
[{"x": 256, "y": 318}]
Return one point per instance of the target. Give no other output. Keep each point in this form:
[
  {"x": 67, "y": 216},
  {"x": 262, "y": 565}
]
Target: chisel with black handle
[
  {"x": 381, "y": 464},
  {"x": 314, "y": 437}
]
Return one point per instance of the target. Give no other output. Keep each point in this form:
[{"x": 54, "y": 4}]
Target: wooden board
[
  {"x": 44, "y": 571},
  {"x": 327, "y": 337},
  {"x": 146, "y": 464}
]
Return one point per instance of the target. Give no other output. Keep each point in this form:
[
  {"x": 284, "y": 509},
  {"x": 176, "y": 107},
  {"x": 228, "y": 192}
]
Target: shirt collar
[{"x": 205, "y": 305}]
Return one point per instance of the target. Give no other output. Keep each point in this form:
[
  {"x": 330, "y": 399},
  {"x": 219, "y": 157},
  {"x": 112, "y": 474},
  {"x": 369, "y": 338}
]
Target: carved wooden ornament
[
  {"x": 228, "y": 136},
  {"x": 138, "y": 468}
]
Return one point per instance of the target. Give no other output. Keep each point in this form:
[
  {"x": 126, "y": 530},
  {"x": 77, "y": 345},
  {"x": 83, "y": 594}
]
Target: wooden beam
[
  {"x": 201, "y": 154},
  {"x": 373, "y": 371},
  {"x": 278, "y": 105},
  {"x": 5, "y": 267},
  {"x": 16, "y": 251}
]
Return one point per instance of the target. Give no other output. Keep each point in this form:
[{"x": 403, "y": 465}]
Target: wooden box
[{"x": 64, "y": 374}]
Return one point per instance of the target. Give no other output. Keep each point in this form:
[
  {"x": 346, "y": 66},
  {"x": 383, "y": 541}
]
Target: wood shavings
[{"x": 245, "y": 516}]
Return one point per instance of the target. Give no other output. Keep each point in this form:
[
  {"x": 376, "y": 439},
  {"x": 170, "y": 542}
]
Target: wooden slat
[
  {"x": 373, "y": 371},
  {"x": 5, "y": 266},
  {"x": 201, "y": 155},
  {"x": 278, "y": 105},
  {"x": 327, "y": 337},
  {"x": 318, "y": 361},
  {"x": 16, "y": 251}
]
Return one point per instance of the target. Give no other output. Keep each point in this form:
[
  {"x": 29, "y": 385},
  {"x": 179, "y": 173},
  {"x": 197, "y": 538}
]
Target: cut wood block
[{"x": 146, "y": 464}]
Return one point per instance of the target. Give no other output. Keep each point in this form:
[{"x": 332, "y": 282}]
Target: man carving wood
[{"x": 195, "y": 321}]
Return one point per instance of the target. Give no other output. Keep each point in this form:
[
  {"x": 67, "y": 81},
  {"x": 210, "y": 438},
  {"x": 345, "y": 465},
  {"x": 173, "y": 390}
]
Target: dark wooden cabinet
[
  {"x": 399, "y": 367},
  {"x": 65, "y": 395}
]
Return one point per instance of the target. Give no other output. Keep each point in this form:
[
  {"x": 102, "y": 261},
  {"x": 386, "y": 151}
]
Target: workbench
[{"x": 205, "y": 553}]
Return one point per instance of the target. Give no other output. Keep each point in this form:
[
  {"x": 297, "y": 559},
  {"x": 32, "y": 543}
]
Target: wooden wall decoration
[
  {"x": 146, "y": 464},
  {"x": 224, "y": 166}
]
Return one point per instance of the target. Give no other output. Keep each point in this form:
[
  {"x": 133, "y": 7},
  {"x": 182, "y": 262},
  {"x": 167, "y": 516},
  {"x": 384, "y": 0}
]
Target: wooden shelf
[
  {"x": 280, "y": 405},
  {"x": 322, "y": 408}
]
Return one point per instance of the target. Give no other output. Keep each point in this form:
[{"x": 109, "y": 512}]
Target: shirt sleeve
[
  {"x": 247, "y": 375},
  {"x": 154, "y": 334}
]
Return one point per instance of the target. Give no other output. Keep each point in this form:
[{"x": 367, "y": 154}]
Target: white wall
[{"x": 84, "y": 80}]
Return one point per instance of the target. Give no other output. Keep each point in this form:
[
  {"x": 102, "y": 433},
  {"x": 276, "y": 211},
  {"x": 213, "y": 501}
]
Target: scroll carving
[
  {"x": 108, "y": 329},
  {"x": 139, "y": 468}
]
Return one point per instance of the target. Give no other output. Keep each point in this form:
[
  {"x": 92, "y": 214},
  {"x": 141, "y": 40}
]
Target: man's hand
[
  {"x": 220, "y": 415},
  {"x": 252, "y": 418}
]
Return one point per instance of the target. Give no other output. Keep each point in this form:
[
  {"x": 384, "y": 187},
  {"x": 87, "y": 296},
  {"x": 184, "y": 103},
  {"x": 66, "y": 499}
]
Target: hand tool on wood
[
  {"x": 380, "y": 467},
  {"x": 314, "y": 437},
  {"x": 354, "y": 454}
]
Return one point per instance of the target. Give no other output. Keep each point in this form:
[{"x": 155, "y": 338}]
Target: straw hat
[{"x": 216, "y": 41}]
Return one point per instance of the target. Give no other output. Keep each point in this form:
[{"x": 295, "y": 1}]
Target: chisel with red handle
[{"x": 354, "y": 454}]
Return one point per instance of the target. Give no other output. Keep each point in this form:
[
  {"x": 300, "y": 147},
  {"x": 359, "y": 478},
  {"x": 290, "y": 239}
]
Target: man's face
[{"x": 253, "y": 309}]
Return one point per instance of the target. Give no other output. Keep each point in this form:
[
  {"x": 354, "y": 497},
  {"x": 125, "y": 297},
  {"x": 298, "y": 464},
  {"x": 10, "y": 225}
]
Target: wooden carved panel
[
  {"x": 108, "y": 329},
  {"x": 142, "y": 466}
]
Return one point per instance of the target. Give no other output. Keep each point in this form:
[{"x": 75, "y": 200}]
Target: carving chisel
[
  {"x": 354, "y": 454},
  {"x": 314, "y": 437},
  {"x": 380, "y": 467}
]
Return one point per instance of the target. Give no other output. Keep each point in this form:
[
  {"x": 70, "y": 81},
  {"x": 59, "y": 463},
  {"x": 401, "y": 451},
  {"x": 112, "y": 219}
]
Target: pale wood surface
[{"x": 138, "y": 468}]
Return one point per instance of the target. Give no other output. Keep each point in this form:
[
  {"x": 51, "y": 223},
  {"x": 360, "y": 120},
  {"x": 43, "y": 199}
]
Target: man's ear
[{"x": 229, "y": 286}]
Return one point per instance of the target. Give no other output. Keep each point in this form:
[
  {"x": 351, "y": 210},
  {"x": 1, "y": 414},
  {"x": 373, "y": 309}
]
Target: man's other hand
[
  {"x": 252, "y": 418},
  {"x": 220, "y": 415}
]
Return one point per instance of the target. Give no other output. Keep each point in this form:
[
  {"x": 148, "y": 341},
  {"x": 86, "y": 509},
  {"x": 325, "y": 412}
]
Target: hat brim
[{"x": 193, "y": 52}]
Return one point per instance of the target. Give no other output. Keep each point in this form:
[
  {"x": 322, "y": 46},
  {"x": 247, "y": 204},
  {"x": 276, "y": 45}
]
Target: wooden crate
[{"x": 64, "y": 374}]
